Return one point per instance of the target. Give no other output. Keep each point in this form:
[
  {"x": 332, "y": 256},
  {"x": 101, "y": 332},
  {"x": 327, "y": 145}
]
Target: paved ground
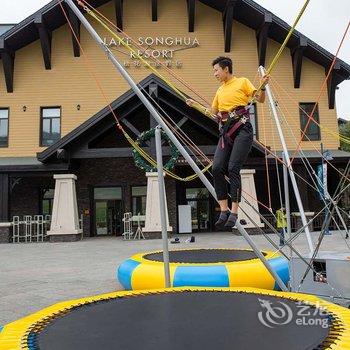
[{"x": 36, "y": 275}]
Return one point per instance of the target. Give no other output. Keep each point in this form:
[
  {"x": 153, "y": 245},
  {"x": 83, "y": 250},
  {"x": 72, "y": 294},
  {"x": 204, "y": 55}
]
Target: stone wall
[
  {"x": 25, "y": 195},
  {"x": 5, "y": 234},
  {"x": 118, "y": 172}
]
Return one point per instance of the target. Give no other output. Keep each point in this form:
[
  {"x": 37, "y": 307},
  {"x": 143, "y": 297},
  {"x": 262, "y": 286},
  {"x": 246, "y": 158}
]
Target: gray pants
[{"x": 228, "y": 160}]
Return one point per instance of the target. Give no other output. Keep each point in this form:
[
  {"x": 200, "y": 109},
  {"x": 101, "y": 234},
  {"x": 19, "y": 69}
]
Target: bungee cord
[
  {"x": 136, "y": 146},
  {"x": 322, "y": 156},
  {"x": 104, "y": 19},
  {"x": 310, "y": 117},
  {"x": 311, "y": 172}
]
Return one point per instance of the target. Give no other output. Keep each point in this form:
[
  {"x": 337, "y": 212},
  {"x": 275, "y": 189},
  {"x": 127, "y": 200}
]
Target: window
[
  {"x": 47, "y": 201},
  {"x": 197, "y": 193},
  {"x": 108, "y": 193},
  {"x": 312, "y": 133},
  {"x": 254, "y": 119},
  {"x": 50, "y": 126},
  {"x": 139, "y": 196},
  {"x": 4, "y": 127}
]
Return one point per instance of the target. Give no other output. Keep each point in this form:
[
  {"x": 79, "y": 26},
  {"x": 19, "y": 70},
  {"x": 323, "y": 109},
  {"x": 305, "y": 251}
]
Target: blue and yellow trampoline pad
[{"x": 203, "y": 268}]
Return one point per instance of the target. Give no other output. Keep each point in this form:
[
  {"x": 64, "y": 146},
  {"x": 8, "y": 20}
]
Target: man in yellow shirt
[{"x": 236, "y": 134}]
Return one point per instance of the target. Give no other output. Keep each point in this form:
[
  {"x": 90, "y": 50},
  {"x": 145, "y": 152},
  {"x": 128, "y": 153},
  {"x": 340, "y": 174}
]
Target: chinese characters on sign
[{"x": 160, "y": 48}]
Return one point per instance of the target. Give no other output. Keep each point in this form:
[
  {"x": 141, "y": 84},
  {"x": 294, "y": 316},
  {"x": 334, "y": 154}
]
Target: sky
[{"x": 324, "y": 22}]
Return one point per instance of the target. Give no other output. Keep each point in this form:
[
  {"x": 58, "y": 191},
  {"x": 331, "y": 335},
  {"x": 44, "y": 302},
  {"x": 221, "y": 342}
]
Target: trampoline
[
  {"x": 184, "y": 318},
  {"x": 202, "y": 268}
]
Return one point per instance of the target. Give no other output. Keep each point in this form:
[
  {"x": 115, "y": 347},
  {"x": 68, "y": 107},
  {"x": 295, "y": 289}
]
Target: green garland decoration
[{"x": 141, "y": 163}]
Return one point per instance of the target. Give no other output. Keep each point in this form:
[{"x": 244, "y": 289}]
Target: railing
[
  {"x": 271, "y": 219},
  {"x": 319, "y": 221},
  {"x": 33, "y": 228},
  {"x": 316, "y": 224},
  {"x": 30, "y": 229}
]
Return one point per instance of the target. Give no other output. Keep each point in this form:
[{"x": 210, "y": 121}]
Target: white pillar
[
  {"x": 65, "y": 219},
  {"x": 152, "y": 223},
  {"x": 249, "y": 194}
]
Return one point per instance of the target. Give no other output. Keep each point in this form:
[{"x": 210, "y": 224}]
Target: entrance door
[
  {"x": 198, "y": 199},
  {"x": 108, "y": 211}
]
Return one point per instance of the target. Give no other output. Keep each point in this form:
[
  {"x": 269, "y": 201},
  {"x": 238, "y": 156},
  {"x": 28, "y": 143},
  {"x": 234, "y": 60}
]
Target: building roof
[
  {"x": 122, "y": 106},
  {"x": 247, "y": 12},
  {"x": 19, "y": 161},
  {"x": 21, "y": 164},
  {"x": 5, "y": 27}
]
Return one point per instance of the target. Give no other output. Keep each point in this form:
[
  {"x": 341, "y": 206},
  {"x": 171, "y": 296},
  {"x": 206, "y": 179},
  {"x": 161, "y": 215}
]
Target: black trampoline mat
[
  {"x": 204, "y": 256},
  {"x": 180, "y": 320}
]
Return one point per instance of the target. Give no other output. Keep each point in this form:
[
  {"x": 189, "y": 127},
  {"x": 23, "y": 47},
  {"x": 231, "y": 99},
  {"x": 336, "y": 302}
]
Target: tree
[{"x": 344, "y": 130}]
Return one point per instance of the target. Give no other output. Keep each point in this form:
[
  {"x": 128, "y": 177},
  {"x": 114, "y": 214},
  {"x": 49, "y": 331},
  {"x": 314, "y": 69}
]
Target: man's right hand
[{"x": 190, "y": 102}]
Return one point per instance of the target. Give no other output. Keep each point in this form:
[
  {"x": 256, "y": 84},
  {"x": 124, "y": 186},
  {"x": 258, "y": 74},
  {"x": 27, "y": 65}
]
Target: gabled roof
[
  {"x": 129, "y": 98},
  {"x": 245, "y": 11}
]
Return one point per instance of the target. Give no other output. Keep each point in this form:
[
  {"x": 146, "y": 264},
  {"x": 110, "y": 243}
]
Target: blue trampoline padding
[
  {"x": 201, "y": 276},
  {"x": 32, "y": 341},
  {"x": 125, "y": 272},
  {"x": 280, "y": 266}
]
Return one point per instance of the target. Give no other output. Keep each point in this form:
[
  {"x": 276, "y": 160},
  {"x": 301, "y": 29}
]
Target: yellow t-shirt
[{"x": 233, "y": 93}]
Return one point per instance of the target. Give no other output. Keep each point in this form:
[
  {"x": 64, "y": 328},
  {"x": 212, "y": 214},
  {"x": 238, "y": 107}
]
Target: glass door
[
  {"x": 108, "y": 211},
  {"x": 101, "y": 217},
  {"x": 198, "y": 199}
]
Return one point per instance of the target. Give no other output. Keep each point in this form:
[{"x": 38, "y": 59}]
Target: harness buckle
[
  {"x": 232, "y": 115},
  {"x": 244, "y": 119}
]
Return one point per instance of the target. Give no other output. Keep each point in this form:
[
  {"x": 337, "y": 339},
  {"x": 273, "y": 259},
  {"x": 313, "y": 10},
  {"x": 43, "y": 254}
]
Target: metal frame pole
[
  {"x": 286, "y": 199},
  {"x": 341, "y": 218},
  {"x": 289, "y": 222},
  {"x": 289, "y": 165},
  {"x": 325, "y": 191},
  {"x": 162, "y": 204},
  {"x": 167, "y": 130},
  {"x": 327, "y": 197}
]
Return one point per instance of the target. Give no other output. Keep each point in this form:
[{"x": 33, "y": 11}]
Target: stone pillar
[
  {"x": 153, "y": 227},
  {"x": 65, "y": 219},
  {"x": 249, "y": 194}
]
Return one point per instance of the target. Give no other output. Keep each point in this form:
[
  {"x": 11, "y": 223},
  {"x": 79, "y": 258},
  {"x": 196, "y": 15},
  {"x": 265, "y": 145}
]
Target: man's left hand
[{"x": 264, "y": 80}]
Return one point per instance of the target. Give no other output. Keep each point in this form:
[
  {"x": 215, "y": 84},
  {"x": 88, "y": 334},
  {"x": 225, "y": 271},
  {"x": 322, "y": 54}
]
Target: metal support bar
[
  {"x": 287, "y": 203},
  {"x": 341, "y": 219},
  {"x": 289, "y": 165},
  {"x": 162, "y": 204},
  {"x": 172, "y": 137}
]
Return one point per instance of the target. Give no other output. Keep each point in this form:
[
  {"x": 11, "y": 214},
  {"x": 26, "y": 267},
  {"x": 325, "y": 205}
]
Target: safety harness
[{"x": 230, "y": 123}]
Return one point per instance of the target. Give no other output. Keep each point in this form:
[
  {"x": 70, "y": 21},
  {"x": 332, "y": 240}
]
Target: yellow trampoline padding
[{"x": 15, "y": 335}]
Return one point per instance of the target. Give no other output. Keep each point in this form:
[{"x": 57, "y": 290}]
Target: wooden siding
[{"x": 69, "y": 83}]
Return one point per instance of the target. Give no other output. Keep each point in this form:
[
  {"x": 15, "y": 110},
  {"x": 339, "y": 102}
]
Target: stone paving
[{"x": 36, "y": 275}]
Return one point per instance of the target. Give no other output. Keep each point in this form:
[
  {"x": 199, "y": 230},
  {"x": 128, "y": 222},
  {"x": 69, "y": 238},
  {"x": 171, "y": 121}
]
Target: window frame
[
  {"x": 42, "y": 123},
  {"x": 306, "y": 136},
  {"x": 8, "y": 126}
]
